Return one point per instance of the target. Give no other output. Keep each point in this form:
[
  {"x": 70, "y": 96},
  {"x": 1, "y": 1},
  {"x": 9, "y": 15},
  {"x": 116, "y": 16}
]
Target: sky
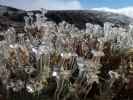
[
  {"x": 118, "y": 6},
  {"x": 106, "y": 3},
  {"x": 67, "y": 4}
]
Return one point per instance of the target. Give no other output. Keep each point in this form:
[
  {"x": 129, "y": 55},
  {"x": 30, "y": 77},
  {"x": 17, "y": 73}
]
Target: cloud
[
  {"x": 128, "y": 11},
  {"x": 63, "y": 4},
  {"x": 48, "y": 4}
]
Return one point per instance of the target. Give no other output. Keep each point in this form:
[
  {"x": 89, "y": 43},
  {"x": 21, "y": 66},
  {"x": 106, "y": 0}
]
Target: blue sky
[
  {"x": 106, "y": 3},
  {"x": 67, "y": 4}
]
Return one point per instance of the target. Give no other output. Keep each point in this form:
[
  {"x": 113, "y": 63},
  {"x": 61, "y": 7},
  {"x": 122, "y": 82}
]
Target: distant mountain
[
  {"x": 11, "y": 17},
  {"x": 15, "y": 17},
  {"x": 80, "y": 17}
]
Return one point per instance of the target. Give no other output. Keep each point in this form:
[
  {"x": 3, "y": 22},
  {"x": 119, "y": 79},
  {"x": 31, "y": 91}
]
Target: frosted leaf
[
  {"x": 130, "y": 28},
  {"x": 34, "y": 86},
  {"x": 38, "y": 86},
  {"x": 21, "y": 39},
  {"x": 66, "y": 74},
  {"x": 4, "y": 49},
  {"x": 113, "y": 75},
  {"x": 56, "y": 71},
  {"x": 44, "y": 11},
  {"x": 29, "y": 19},
  {"x": 82, "y": 67},
  {"x": 89, "y": 28},
  {"x": 38, "y": 18},
  {"x": 26, "y": 18},
  {"x": 44, "y": 64},
  {"x": 96, "y": 30},
  {"x": 66, "y": 55},
  {"x": 10, "y": 35},
  {"x": 16, "y": 86},
  {"x": 107, "y": 30},
  {"x": 30, "y": 88},
  {"x": 38, "y": 21},
  {"x": 30, "y": 13}
]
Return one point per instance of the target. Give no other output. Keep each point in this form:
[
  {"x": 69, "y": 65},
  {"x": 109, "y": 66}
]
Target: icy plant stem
[
  {"x": 87, "y": 91},
  {"x": 59, "y": 89},
  {"x": 18, "y": 57}
]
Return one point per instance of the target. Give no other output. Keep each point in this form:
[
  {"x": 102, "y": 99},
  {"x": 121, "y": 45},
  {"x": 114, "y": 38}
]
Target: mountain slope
[{"x": 14, "y": 17}]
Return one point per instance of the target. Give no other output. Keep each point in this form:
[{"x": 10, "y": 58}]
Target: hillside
[{"x": 14, "y": 17}]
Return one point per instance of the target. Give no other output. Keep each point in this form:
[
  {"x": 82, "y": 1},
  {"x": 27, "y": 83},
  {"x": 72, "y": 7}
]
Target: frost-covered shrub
[{"x": 47, "y": 50}]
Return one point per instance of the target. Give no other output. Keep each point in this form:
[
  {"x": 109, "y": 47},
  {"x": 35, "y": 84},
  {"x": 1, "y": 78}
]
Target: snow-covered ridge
[{"x": 128, "y": 11}]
